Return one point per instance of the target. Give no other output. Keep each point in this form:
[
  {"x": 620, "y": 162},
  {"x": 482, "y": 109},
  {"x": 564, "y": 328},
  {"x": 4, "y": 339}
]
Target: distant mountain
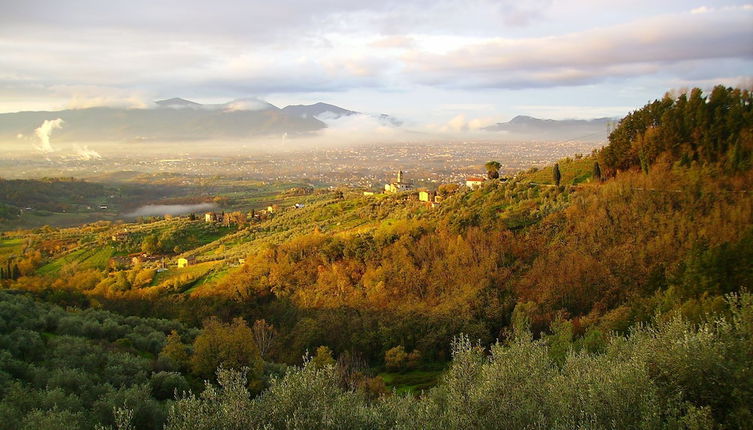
[
  {"x": 173, "y": 119},
  {"x": 317, "y": 109},
  {"x": 177, "y": 103},
  {"x": 178, "y": 119},
  {"x": 528, "y": 127}
]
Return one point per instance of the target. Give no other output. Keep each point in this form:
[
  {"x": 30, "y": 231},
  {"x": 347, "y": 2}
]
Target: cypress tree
[
  {"x": 556, "y": 175},
  {"x": 597, "y": 171}
]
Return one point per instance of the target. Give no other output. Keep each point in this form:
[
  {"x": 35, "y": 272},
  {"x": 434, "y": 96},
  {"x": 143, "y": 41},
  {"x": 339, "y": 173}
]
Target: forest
[{"x": 607, "y": 291}]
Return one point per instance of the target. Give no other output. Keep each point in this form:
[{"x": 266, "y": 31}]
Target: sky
[{"x": 440, "y": 63}]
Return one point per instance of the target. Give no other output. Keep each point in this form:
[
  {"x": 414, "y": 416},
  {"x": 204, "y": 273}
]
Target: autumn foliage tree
[{"x": 230, "y": 346}]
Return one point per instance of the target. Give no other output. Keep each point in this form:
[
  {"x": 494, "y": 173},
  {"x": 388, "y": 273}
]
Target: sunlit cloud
[{"x": 79, "y": 54}]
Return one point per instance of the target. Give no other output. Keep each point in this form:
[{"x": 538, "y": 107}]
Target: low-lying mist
[{"x": 159, "y": 210}]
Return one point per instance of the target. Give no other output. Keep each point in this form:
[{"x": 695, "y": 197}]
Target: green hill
[{"x": 638, "y": 279}]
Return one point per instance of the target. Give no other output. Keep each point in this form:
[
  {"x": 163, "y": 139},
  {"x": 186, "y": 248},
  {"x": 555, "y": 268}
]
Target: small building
[
  {"x": 368, "y": 193},
  {"x": 426, "y": 196},
  {"x": 210, "y": 217},
  {"x": 474, "y": 181},
  {"x": 185, "y": 262},
  {"x": 399, "y": 185}
]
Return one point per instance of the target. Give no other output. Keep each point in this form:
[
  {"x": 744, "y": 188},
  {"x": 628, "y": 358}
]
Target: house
[
  {"x": 399, "y": 185},
  {"x": 210, "y": 217},
  {"x": 474, "y": 181},
  {"x": 426, "y": 196},
  {"x": 185, "y": 262}
]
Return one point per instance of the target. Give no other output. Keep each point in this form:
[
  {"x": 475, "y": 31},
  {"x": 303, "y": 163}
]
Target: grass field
[
  {"x": 9, "y": 247},
  {"x": 194, "y": 272},
  {"x": 573, "y": 171},
  {"x": 85, "y": 258},
  {"x": 411, "y": 382}
]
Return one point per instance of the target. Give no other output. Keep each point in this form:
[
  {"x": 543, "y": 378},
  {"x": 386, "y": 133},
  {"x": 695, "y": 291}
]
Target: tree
[
  {"x": 395, "y": 358},
  {"x": 597, "y": 171},
  {"x": 556, "y": 175},
  {"x": 413, "y": 359},
  {"x": 492, "y": 169},
  {"x": 264, "y": 334},
  {"x": 150, "y": 244},
  {"x": 175, "y": 352},
  {"x": 231, "y": 346},
  {"x": 323, "y": 357}
]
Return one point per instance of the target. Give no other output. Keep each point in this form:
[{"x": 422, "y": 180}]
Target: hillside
[{"x": 637, "y": 276}]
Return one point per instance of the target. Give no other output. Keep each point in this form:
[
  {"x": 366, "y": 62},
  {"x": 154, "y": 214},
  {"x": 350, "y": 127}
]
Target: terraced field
[{"x": 84, "y": 258}]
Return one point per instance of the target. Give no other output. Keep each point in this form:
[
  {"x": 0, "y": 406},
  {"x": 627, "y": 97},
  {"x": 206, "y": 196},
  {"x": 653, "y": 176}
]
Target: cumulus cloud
[{"x": 44, "y": 132}]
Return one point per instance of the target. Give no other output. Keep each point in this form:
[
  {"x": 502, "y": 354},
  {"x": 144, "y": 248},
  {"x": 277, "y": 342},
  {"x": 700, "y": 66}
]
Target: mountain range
[
  {"x": 176, "y": 119},
  {"x": 527, "y": 127}
]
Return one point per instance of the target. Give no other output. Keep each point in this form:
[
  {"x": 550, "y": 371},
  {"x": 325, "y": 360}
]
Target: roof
[{"x": 475, "y": 179}]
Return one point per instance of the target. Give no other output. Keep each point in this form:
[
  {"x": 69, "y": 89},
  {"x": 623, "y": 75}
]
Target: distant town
[{"x": 369, "y": 167}]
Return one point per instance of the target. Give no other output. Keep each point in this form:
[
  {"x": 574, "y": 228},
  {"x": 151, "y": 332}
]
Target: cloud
[
  {"x": 642, "y": 47},
  {"x": 461, "y": 124},
  {"x": 85, "y": 54},
  {"x": 561, "y": 112},
  {"x": 159, "y": 210},
  {"x": 84, "y": 153},
  {"x": 246, "y": 105},
  {"x": 90, "y": 96},
  {"x": 44, "y": 132}
]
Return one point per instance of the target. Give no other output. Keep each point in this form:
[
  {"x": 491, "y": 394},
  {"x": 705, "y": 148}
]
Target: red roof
[{"x": 475, "y": 178}]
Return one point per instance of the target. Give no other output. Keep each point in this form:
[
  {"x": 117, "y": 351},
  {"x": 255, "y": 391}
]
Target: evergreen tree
[
  {"x": 597, "y": 171},
  {"x": 556, "y": 175},
  {"x": 492, "y": 169}
]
